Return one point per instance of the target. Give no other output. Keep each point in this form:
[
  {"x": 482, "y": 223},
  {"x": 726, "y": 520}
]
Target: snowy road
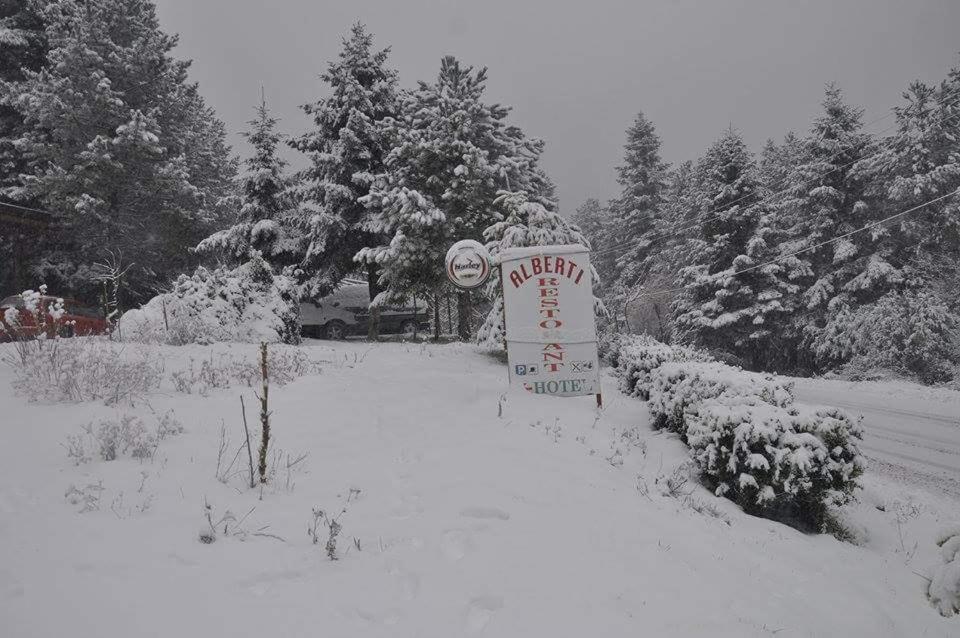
[{"x": 910, "y": 433}]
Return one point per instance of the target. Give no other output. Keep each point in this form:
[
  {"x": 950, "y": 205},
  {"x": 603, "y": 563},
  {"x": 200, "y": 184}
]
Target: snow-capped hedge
[
  {"x": 944, "y": 589},
  {"x": 635, "y": 358},
  {"x": 746, "y": 436},
  {"x": 248, "y": 303},
  {"x": 790, "y": 461},
  {"x": 674, "y": 387}
]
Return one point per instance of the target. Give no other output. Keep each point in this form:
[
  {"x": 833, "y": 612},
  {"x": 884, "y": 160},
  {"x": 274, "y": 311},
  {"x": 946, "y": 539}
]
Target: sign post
[{"x": 551, "y": 334}]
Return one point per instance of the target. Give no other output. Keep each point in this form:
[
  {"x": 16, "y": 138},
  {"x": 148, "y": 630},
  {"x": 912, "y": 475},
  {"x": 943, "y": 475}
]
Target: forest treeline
[{"x": 836, "y": 246}]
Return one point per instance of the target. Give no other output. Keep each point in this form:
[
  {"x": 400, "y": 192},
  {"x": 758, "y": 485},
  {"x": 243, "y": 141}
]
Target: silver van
[{"x": 346, "y": 312}]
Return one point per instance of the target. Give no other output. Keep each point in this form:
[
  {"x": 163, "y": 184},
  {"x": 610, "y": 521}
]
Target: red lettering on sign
[
  {"x": 515, "y": 279},
  {"x": 548, "y": 281},
  {"x": 536, "y": 265},
  {"x": 548, "y": 292},
  {"x": 558, "y": 265},
  {"x": 545, "y": 324}
]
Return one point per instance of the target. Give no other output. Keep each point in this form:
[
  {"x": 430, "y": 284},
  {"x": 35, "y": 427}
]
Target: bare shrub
[
  {"x": 125, "y": 436},
  {"x": 228, "y": 525},
  {"x": 332, "y": 525},
  {"x": 87, "y": 497},
  {"x": 85, "y": 369},
  {"x": 675, "y": 485},
  {"x": 705, "y": 508},
  {"x": 286, "y": 364}
]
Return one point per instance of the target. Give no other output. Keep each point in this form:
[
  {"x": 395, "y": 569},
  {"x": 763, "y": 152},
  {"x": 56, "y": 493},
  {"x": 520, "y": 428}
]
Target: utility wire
[{"x": 724, "y": 274}]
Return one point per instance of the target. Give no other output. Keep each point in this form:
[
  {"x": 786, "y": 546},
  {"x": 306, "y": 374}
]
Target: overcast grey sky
[{"x": 576, "y": 73}]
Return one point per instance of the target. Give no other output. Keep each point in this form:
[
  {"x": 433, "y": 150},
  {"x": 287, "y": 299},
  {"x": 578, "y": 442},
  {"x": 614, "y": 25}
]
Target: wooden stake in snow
[{"x": 264, "y": 414}]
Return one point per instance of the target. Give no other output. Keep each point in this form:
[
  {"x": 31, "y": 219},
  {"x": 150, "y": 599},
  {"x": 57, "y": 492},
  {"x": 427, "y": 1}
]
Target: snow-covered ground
[{"x": 472, "y": 510}]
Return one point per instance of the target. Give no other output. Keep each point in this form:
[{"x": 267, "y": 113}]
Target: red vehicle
[{"x": 77, "y": 319}]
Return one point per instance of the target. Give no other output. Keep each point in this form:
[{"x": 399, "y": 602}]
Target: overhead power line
[{"x": 724, "y": 274}]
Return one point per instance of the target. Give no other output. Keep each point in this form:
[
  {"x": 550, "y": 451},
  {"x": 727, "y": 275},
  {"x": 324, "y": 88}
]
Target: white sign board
[{"x": 550, "y": 330}]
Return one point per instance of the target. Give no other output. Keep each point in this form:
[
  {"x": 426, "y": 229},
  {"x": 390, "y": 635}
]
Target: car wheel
[
  {"x": 335, "y": 330},
  {"x": 409, "y": 329}
]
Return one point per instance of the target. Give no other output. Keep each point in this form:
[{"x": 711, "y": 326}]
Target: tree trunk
[
  {"x": 373, "y": 286},
  {"x": 463, "y": 315},
  {"x": 436, "y": 316},
  {"x": 449, "y": 314}
]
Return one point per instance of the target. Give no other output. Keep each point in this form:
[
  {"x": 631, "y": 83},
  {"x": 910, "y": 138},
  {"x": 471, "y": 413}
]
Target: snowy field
[{"x": 470, "y": 510}]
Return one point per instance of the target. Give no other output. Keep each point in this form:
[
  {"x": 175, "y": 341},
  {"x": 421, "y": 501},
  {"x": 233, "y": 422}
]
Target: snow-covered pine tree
[
  {"x": 124, "y": 149},
  {"x": 676, "y": 229},
  {"x": 718, "y": 308},
  {"x": 826, "y": 198},
  {"x": 777, "y": 162},
  {"x": 23, "y": 45},
  {"x": 590, "y": 217},
  {"x": 903, "y": 311},
  {"x": 920, "y": 162},
  {"x": 267, "y": 222},
  {"x": 451, "y": 153},
  {"x": 524, "y": 223},
  {"x": 643, "y": 177},
  {"x": 346, "y": 150}
]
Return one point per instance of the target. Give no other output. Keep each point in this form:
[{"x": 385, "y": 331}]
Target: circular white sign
[{"x": 468, "y": 264}]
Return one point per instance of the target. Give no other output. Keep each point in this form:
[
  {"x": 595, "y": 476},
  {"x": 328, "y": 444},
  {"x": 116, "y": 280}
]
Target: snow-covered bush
[
  {"x": 912, "y": 333},
  {"x": 637, "y": 356},
  {"x": 247, "y": 303},
  {"x": 786, "y": 462},
  {"x": 32, "y": 322},
  {"x": 678, "y": 387},
  {"x": 746, "y": 436},
  {"x": 944, "y": 589}
]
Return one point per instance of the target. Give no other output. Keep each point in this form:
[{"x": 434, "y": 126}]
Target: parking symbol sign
[{"x": 520, "y": 370}]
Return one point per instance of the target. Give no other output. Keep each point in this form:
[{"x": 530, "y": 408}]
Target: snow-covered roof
[{"x": 513, "y": 254}]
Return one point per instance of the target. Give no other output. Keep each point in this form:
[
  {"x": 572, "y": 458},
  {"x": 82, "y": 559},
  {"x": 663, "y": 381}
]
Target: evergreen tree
[
  {"x": 721, "y": 308},
  {"x": 451, "y": 153},
  {"x": 777, "y": 162},
  {"x": 595, "y": 222},
  {"x": 826, "y": 199},
  {"x": 919, "y": 163},
  {"x": 648, "y": 308},
  {"x": 346, "y": 151},
  {"x": 124, "y": 149},
  {"x": 23, "y": 48},
  {"x": 267, "y": 220},
  {"x": 643, "y": 177}
]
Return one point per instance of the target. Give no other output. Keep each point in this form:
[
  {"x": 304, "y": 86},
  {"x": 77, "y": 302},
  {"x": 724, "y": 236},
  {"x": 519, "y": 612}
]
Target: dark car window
[
  {"x": 80, "y": 310},
  {"x": 16, "y": 301}
]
